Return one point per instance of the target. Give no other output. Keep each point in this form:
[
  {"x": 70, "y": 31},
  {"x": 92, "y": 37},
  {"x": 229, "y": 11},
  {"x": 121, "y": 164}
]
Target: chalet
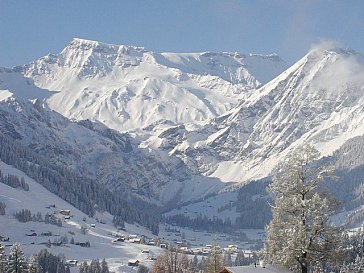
[
  {"x": 120, "y": 239},
  {"x": 86, "y": 244},
  {"x": 255, "y": 269},
  {"x": 71, "y": 262},
  {"x": 133, "y": 263},
  {"x": 31, "y": 234},
  {"x": 137, "y": 240},
  {"x": 233, "y": 248},
  {"x": 145, "y": 251},
  {"x": 4, "y": 239},
  {"x": 65, "y": 212}
]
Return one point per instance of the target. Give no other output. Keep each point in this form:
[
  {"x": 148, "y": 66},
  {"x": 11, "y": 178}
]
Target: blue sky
[{"x": 30, "y": 29}]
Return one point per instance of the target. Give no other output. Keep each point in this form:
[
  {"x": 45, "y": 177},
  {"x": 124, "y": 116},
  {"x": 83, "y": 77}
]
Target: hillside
[{"x": 40, "y": 200}]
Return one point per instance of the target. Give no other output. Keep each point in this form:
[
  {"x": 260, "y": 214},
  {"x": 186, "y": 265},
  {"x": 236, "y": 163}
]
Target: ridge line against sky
[{"x": 30, "y": 29}]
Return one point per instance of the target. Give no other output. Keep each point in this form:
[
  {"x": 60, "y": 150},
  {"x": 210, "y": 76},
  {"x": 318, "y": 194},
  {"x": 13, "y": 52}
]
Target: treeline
[
  {"x": 94, "y": 267},
  {"x": 2, "y": 208},
  {"x": 201, "y": 223},
  {"x": 26, "y": 215},
  {"x": 172, "y": 261},
  {"x": 43, "y": 262},
  {"x": 14, "y": 181},
  {"x": 253, "y": 205},
  {"x": 82, "y": 192}
]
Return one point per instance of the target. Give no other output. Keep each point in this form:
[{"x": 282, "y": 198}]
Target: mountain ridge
[{"x": 108, "y": 83}]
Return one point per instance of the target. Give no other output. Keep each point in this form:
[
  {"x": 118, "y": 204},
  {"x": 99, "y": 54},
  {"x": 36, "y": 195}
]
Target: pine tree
[
  {"x": 95, "y": 266},
  {"x": 84, "y": 268},
  {"x": 299, "y": 236},
  {"x": 104, "y": 267},
  {"x": 33, "y": 265},
  {"x": 3, "y": 260},
  {"x": 16, "y": 261}
]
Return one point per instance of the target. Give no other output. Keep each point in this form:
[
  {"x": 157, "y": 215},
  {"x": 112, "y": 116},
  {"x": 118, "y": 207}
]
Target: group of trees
[
  {"x": 26, "y": 215},
  {"x": 173, "y": 261},
  {"x": 14, "y": 181},
  {"x": 94, "y": 267},
  {"x": 201, "y": 223},
  {"x": 252, "y": 206},
  {"x": 81, "y": 191},
  {"x": 43, "y": 262}
]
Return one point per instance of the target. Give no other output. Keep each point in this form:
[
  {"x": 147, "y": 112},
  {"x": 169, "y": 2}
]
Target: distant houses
[{"x": 255, "y": 269}]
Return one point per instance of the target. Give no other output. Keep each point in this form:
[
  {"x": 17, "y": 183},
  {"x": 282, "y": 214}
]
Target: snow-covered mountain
[
  {"x": 182, "y": 154},
  {"x": 115, "y": 159},
  {"x": 127, "y": 87},
  {"x": 319, "y": 100}
]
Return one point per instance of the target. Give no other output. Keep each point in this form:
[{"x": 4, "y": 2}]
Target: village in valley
[{"x": 66, "y": 231}]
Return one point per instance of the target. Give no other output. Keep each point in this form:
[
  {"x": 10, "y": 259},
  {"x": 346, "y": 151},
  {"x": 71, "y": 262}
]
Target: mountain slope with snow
[
  {"x": 318, "y": 100},
  {"x": 114, "y": 159},
  {"x": 128, "y": 87},
  {"x": 100, "y": 235}
]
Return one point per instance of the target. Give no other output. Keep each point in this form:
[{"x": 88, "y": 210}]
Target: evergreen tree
[
  {"x": 84, "y": 268},
  {"x": 2, "y": 208},
  {"x": 104, "y": 267},
  {"x": 95, "y": 266},
  {"x": 3, "y": 260},
  {"x": 33, "y": 265},
  {"x": 17, "y": 262},
  {"x": 299, "y": 236}
]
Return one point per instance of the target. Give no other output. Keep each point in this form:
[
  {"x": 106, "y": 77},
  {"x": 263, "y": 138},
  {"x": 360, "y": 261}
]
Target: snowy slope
[
  {"x": 128, "y": 87},
  {"x": 318, "y": 100},
  {"x": 38, "y": 199}
]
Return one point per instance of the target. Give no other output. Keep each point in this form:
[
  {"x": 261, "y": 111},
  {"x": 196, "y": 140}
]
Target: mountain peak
[
  {"x": 96, "y": 46},
  {"x": 331, "y": 48}
]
